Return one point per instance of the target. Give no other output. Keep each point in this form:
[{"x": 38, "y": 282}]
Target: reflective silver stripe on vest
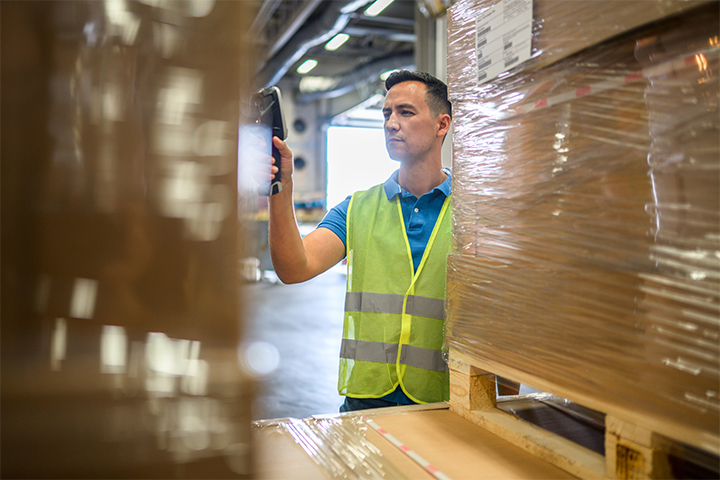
[
  {"x": 423, "y": 358},
  {"x": 373, "y": 302},
  {"x": 380, "y": 352},
  {"x": 426, "y": 307},
  {"x": 368, "y": 351},
  {"x": 392, "y": 303}
]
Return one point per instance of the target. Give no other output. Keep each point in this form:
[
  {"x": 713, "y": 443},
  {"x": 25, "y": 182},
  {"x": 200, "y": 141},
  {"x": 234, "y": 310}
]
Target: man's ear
[{"x": 443, "y": 124}]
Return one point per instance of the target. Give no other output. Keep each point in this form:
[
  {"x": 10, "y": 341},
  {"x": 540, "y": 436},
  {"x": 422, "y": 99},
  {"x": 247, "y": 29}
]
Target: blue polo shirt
[{"x": 419, "y": 214}]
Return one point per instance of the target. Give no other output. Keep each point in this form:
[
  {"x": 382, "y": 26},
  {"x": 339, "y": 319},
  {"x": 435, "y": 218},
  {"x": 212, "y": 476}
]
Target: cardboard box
[{"x": 586, "y": 212}]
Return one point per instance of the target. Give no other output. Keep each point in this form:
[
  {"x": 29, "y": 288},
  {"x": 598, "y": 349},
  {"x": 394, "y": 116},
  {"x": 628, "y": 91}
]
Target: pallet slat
[{"x": 632, "y": 451}]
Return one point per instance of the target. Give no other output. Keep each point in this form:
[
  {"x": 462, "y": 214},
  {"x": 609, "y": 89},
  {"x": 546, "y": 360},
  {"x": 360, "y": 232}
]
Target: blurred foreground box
[{"x": 121, "y": 307}]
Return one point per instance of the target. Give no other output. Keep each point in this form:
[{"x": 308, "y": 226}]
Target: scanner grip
[{"x": 276, "y": 184}]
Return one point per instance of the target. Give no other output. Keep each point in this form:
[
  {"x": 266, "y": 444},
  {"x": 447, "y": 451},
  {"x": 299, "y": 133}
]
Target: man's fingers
[
  {"x": 282, "y": 147},
  {"x": 279, "y": 143}
]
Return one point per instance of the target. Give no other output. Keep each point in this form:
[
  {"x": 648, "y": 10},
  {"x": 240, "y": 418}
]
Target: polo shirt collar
[{"x": 392, "y": 187}]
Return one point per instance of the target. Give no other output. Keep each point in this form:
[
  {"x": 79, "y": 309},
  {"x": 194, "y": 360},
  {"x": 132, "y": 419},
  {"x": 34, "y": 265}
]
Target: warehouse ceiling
[{"x": 288, "y": 32}]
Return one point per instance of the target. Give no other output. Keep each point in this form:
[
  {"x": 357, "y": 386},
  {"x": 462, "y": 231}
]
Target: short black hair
[{"x": 437, "y": 93}]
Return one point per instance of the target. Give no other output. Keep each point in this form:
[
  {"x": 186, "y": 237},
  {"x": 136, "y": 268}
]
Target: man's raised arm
[{"x": 296, "y": 258}]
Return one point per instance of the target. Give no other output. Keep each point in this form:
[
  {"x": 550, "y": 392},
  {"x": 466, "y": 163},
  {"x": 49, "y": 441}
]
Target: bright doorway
[{"x": 357, "y": 160}]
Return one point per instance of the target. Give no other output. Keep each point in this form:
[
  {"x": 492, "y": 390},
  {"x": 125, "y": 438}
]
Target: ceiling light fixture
[
  {"x": 377, "y": 7},
  {"x": 306, "y": 66},
  {"x": 336, "y": 41}
]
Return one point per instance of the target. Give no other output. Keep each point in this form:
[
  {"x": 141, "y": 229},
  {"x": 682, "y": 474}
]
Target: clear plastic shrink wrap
[
  {"x": 586, "y": 204},
  {"x": 338, "y": 445}
]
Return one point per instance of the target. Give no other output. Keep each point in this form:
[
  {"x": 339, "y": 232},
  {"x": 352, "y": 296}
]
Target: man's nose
[{"x": 391, "y": 122}]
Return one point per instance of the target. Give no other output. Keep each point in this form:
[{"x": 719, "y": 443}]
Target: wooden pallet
[{"x": 632, "y": 451}]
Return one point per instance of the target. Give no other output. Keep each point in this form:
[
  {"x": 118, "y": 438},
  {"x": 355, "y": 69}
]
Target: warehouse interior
[{"x": 145, "y": 333}]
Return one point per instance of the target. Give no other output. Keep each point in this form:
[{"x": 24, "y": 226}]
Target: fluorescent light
[
  {"x": 306, "y": 66},
  {"x": 377, "y": 7},
  {"x": 336, "y": 41},
  {"x": 384, "y": 76},
  {"x": 311, "y": 84}
]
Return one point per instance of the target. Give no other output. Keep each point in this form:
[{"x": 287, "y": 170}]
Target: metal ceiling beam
[
  {"x": 264, "y": 14},
  {"x": 402, "y": 22},
  {"x": 357, "y": 31},
  {"x": 293, "y": 26},
  {"x": 331, "y": 22}
]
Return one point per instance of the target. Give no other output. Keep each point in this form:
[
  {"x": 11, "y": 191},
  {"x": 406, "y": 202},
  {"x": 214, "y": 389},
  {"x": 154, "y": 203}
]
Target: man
[{"x": 396, "y": 237}]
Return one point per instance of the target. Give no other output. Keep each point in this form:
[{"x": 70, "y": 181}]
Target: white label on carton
[{"x": 503, "y": 37}]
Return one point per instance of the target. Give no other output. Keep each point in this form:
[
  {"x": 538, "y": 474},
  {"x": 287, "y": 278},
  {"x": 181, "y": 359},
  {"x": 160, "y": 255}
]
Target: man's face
[{"x": 410, "y": 128}]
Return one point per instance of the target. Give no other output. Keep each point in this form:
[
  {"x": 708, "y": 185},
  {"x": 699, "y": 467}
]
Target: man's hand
[{"x": 286, "y": 162}]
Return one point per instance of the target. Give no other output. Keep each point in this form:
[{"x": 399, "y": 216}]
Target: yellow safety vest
[{"x": 394, "y": 317}]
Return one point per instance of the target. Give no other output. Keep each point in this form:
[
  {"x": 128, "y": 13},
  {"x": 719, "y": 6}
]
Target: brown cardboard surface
[
  {"x": 563, "y": 28},
  {"x": 568, "y": 27},
  {"x": 461, "y": 449},
  {"x": 397, "y": 457},
  {"x": 278, "y": 457},
  {"x": 455, "y": 446}
]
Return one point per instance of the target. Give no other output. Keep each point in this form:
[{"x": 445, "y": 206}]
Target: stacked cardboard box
[
  {"x": 586, "y": 192},
  {"x": 121, "y": 314}
]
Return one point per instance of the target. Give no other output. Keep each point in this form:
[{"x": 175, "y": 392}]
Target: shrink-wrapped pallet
[{"x": 586, "y": 200}]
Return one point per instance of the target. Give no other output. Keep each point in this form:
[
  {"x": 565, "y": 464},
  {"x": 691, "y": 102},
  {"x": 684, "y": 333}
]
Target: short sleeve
[{"x": 335, "y": 220}]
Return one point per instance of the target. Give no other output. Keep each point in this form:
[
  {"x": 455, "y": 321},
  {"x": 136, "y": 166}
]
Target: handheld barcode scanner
[{"x": 266, "y": 105}]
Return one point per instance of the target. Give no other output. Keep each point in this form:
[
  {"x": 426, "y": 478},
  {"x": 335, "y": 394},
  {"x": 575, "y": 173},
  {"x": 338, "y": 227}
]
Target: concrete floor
[{"x": 304, "y": 323}]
